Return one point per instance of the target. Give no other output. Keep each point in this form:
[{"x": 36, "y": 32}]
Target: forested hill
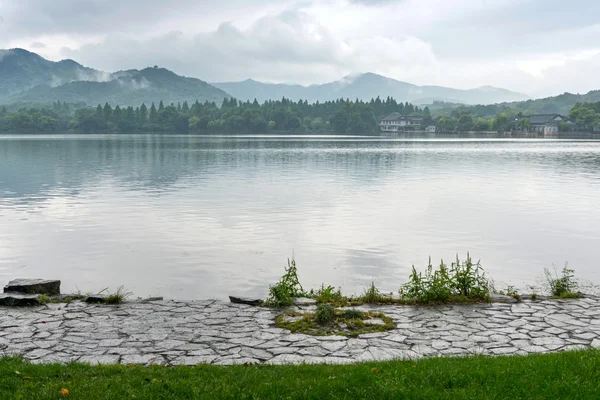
[
  {"x": 561, "y": 104},
  {"x": 20, "y": 70},
  {"x": 26, "y": 77},
  {"x": 131, "y": 87}
]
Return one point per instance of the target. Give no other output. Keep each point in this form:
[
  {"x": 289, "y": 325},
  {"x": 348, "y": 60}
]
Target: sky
[{"x": 537, "y": 47}]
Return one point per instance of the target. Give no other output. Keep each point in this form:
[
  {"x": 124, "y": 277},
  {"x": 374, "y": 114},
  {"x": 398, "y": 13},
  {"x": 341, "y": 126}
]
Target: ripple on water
[{"x": 197, "y": 217}]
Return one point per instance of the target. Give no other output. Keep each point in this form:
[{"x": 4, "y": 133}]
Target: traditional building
[
  {"x": 545, "y": 122},
  {"x": 397, "y": 122}
]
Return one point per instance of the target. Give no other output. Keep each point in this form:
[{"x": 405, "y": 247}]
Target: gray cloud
[
  {"x": 288, "y": 46},
  {"x": 517, "y": 44},
  {"x": 376, "y": 2},
  {"x": 28, "y": 17},
  {"x": 37, "y": 17}
]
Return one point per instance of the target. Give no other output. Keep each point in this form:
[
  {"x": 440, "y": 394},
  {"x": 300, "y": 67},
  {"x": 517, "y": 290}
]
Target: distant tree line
[
  {"x": 281, "y": 116},
  {"x": 36, "y": 119},
  {"x": 232, "y": 116},
  {"x": 561, "y": 104},
  {"x": 586, "y": 115}
]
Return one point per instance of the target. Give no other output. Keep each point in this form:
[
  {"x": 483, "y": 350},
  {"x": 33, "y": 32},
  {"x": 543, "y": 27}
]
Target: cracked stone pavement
[{"x": 212, "y": 331}]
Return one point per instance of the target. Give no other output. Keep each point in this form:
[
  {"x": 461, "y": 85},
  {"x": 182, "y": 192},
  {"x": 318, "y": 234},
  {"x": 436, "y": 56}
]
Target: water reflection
[{"x": 189, "y": 216}]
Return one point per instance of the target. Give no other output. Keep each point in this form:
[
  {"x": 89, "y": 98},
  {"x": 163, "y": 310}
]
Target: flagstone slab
[
  {"x": 216, "y": 332},
  {"x": 33, "y": 286}
]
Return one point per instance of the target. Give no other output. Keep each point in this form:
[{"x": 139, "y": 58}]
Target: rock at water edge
[
  {"x": 33, "y": 286},
  {"x": 16, "y": 299},
  {"x": 304, "y": 301},
  {"x": 500, "y": 298},
  {"x": 245, "y": 300},
  {"x": 95, "y": 298}
]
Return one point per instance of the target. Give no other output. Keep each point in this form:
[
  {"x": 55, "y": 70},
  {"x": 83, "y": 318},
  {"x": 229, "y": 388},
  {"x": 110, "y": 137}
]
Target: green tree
[
  {"x": 465, "y": 123},
  {"x": 143, "y": 116},
  {"x": 107, "y": 111},
  {"x": 153, "y": 118},
  {"x": 447, "y": 124},
  {"x": 117, "y": 114},
  {"x": 524, "y": 125}
]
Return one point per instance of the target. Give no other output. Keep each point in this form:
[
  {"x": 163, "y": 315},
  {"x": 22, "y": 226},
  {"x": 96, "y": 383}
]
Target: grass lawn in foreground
[{"x": 569, "y": 375}]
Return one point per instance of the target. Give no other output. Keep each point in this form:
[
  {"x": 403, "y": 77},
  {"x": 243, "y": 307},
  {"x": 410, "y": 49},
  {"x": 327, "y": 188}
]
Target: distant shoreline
[{"x": 413, "y": 134}]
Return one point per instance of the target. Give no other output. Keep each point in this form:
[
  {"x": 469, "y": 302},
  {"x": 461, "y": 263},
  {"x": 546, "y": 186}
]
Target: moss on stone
[{"x": 342, "y": 324}]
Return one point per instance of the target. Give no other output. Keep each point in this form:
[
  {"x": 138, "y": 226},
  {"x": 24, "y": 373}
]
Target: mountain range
[
  {"x": 368, "y": 86},
  {"x": 26, "y": 77}
]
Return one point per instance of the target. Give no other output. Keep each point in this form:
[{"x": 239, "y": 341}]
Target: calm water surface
[{"x": 197, "y": 217}]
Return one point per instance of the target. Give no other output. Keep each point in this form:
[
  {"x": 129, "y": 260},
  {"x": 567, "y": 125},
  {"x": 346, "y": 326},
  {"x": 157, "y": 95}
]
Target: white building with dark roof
[
  {"x": 546, "y": 123},
  {"x": 396, "y": 122}
]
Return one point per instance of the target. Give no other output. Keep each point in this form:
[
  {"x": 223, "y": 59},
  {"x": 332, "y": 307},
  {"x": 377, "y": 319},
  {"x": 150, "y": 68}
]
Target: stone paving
[{"x": 189, "y": 333}]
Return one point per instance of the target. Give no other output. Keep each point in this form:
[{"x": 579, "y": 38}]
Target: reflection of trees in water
[{"x": 154, "y": 163}]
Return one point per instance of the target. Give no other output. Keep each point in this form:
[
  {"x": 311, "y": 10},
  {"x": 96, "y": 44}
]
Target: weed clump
[
  {"x": 351, "y": 314},
  {"x": 45, "y": 299},
  {"x": 462, "y": 281},
  {"x": 329, "y": 321},
  {"x": 512, "y": 292},
  {"x": 283, "y": 292},
  {"x": 325, "y": 314},
  {"x": 372, "y": 295},
  {"x": 327, "y": 294},
  {"x": 563, "y": 286},
  {"x": 118, "y": 297}
]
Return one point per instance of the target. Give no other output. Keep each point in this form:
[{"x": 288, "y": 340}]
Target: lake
[{"x": 191, "y": 217}]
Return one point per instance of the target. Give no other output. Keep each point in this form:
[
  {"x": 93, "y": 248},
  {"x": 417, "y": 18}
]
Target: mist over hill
[
  {"x": 365, "y": 87},
  {"x": 26, "y": 77}
]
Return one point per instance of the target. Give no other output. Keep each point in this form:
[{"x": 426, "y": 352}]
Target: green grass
[
  {"x": 568, "y": 295},
  {"x": 118, "y": 297},
  {"x": 571, "y": 375},
  {"x": 45, "y": 299}
]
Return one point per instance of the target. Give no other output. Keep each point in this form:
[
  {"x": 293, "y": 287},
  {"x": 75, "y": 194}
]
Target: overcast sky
[{"x": 539, "y": 47}]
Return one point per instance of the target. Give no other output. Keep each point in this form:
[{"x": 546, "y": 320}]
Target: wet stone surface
[
  {"x": 33, "y": 286},
  {"x": 197, "y": 332}
]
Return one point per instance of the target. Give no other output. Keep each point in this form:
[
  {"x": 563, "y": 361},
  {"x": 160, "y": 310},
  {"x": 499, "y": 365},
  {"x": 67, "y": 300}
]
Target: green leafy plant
[
  {"x": 372, "y": 295},
  {"x": 563, "y": 285},
  {"x": 325, "y": 314},
  {"x": 283, "y": 292},
  {"x": 462, "y": 281},
  {"x": 327, "y": 294},
  {"x": 468, "y": 278},
  {"x": 44, "y": 299}
]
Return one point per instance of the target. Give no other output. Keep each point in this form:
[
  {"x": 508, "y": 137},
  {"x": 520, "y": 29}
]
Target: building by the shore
[
  {"x": 547, "y": 123},
  {"x": 397, "y": 122}
]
